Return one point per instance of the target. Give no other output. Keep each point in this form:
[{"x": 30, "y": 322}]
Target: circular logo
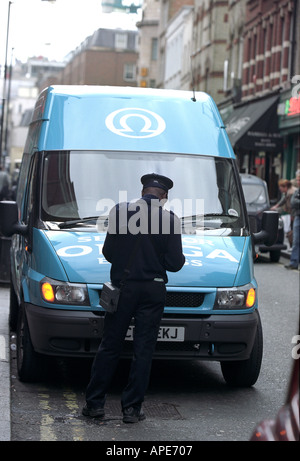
[{"x": 135, "y": 123}]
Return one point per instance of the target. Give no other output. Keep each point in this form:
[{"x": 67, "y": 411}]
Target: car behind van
[
  {"x": 86, "y": 150},
  {"x": 257, "y": 201}
]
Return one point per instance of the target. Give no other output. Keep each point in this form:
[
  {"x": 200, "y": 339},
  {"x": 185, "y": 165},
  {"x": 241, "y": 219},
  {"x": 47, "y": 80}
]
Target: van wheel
[
  {"x": 13, "y": 308},
  {"x": 244, "y": 373},
  {"x": 29, "y": 362}
]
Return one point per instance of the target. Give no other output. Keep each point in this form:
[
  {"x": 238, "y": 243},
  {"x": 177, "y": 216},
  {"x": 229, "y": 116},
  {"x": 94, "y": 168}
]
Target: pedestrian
[
  {"x": 154, "y": 235},
  {"x": 4, "y": 184},
  {"x": 283, "y": 206},
  {"x": 295, "y": 205}
]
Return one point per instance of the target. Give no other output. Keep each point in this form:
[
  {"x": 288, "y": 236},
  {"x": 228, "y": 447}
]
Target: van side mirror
[
  {"x": 9, "y": 221},
  {"x": 269, "y": 228}
]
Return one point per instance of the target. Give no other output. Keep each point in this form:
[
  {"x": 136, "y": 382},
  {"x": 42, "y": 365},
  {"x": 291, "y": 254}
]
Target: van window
[
  {"x": 81, "y": 184},
  {"x": 23, "y": 178}
]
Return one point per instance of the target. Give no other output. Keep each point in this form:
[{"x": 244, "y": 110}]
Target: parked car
[
  {"x": 257, "y": 201},
  {"x": 284, "y": 427}
]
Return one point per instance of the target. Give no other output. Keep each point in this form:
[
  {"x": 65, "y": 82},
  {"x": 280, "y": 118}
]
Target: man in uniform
[{"x": 152, "y": 235}]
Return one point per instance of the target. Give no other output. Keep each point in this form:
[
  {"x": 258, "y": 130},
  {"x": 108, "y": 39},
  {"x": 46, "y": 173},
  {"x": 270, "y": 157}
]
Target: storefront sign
[
  {"x": 290, "y": 107},
  {"x": 294, "y": 106}
]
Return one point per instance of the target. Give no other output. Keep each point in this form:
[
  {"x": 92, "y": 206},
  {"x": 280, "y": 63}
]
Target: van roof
[{"x": 79, "y": 117}]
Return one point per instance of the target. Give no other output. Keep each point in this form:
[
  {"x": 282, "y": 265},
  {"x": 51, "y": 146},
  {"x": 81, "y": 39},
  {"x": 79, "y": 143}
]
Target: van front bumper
[{"x": 216, "y": 337}]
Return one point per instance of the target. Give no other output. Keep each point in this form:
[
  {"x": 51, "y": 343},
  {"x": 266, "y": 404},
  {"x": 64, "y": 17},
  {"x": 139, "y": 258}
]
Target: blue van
[{"x": 86, "y": 150}]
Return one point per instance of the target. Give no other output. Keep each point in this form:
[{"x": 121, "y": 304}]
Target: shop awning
[{"x": 254, "y": 126}]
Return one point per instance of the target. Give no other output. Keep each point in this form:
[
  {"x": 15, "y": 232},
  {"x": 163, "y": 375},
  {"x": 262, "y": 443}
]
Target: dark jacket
[
  {"x": 156, "y": 253},
  {"x": 295, "y": 203}
]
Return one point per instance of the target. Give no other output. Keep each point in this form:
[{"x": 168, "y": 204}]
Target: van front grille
[{"x": 183, "y": 299}]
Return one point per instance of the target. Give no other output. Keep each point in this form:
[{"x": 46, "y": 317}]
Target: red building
[
  {"x": 269, "y": 65},
  {"x": 268, "y": 42}
]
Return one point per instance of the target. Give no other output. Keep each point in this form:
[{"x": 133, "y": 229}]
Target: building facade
[
  {"x": 178, "y": 43},
  {"x": 289, "y": 104},
  {"x": 269, "y": 34},
  {"x": 108, "y": 57},
  {"x": 168, "y": 10},
  {"x": 261, "y": 137},
  {"x": 148, "y": 50},
  {"x": 210, "y": 32}
]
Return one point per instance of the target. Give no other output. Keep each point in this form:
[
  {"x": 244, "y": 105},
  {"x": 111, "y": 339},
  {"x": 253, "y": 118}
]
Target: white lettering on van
[
  {"x": 197, "y": 240},
  {"x": 191, "y": 250},
  {"x": 84, "y": 239},
  {"x": 195, "y": 263},
  {"x": 102, "y": 261},
  {"x": 100, "y": 246},
  {"x": 88, "y": 238},
  {"x": 74, "y": 250},
  {"x": 221, "y": 254}
]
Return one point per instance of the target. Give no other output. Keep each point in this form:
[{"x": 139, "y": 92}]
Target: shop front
[
  {"x": 289, "y": 126},
  {"x": 253, "y": 131}
]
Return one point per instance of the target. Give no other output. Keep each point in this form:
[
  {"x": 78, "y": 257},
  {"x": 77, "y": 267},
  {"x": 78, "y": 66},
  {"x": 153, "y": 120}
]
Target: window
[
  {"x": 129, "y": 72},
  {"x": 206, "y": 197},
  {"x": 121, "y": 40},
  {"x": 154, "y": 49}
]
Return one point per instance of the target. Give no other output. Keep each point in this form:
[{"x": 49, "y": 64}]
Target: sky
[{"x": 53, "y": 28}]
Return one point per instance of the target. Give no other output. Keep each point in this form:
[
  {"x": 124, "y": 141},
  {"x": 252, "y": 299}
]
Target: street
[{"x": 186, "y": 401}]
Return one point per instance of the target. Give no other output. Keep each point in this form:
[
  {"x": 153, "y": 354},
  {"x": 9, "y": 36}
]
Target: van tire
[
  {"x": 244, "y": 373},
  {"x": 13, "y": 308},
  {"x": 29, "y": 363}
]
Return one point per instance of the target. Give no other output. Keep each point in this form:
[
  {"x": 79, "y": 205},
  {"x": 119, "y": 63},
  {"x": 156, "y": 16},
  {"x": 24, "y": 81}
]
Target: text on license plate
[{"x": 165, "y": 334}]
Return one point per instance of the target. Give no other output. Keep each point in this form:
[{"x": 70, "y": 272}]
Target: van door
[{"x": 26, "y": 198}]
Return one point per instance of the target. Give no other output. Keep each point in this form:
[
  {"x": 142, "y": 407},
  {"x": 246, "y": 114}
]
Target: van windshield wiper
[
  {"x": 195, "y": 217},
  {"x": 220, "y": 215},
  {"x": 74, "y": 222}
]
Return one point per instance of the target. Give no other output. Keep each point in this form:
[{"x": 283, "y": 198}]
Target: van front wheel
[
  {"x": 29, "y": 363},
  {"x": 244, "y": 373}
]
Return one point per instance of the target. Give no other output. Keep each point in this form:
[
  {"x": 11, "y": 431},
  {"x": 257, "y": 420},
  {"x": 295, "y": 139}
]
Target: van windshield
[{"x": 80, "y": 186}]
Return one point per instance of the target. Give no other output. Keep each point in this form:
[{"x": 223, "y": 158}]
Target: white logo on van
[{"x": 135, "y": 123}]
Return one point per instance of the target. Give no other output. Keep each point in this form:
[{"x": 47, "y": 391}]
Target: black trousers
[{"x": 145, "y": 302}]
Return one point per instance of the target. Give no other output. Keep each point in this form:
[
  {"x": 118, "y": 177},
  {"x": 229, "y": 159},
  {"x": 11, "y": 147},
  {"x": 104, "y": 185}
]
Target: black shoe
[
  {"x": 290, "y": 266},
  {"x": 133, "y": 415},
  {"x": 93, "y": 412}
]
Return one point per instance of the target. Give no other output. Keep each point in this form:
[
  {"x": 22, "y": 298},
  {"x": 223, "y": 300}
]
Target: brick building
[
  {"x": 267, "y": 47},
  {"x": 108, "y": 57},
  {"x": 268, "y": 66}
]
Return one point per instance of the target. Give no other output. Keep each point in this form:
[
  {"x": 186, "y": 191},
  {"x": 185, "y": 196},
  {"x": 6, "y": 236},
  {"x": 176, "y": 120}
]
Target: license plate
[{"x": 165, "y": 334}]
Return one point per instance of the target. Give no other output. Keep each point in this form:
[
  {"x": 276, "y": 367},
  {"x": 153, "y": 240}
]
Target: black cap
[{"x": 157, "y": 180}]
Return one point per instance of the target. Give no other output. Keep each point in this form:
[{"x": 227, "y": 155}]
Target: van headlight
[
  {"x": 242, "y": 297},
  {"x": 56, "y": 292}
]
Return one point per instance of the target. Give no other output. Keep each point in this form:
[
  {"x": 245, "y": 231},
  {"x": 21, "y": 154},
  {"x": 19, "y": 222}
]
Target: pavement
[
  {"x": 5, "y": 432},
  {"x": 5, "y": 410}
]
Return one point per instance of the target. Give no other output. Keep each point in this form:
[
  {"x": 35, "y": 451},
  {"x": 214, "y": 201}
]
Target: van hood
[{"x": 210, "y": 260}]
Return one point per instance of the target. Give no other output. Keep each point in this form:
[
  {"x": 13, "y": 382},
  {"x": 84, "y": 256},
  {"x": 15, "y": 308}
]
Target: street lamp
[{"x": 4, "y": 85}]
